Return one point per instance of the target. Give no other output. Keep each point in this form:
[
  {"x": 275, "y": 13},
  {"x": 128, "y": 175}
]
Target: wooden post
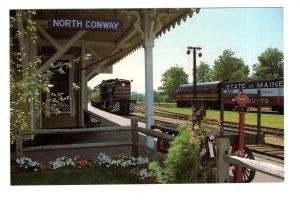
[
  {"x": 222, "y": 112},
  {"x": 223, "y": 148},
  {"x": 82, "y": 106},
  {"x": 258, "y": 117},
  {"x": 19, "y": 147},
  {"x": 135, "y": 138}
]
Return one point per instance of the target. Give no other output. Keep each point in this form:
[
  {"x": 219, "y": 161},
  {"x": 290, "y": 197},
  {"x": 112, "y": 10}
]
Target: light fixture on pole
[{"x": 194, "y": 49}]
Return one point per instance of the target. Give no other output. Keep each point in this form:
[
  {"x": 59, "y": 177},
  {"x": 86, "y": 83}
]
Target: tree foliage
[
  {"x": 228, "y": 67},
  {"x": 157, "y": 96},
  {"x": 26, "y": 82},
  {"x": 270, "y": 64},
  {"x": 171, "y": 80},
  {"x": 89, "y": 93},
  {"x": 204, "y": 73}
]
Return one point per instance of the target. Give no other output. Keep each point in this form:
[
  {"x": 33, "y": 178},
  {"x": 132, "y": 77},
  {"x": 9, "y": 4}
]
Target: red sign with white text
[{"x": 242, "y": 99}]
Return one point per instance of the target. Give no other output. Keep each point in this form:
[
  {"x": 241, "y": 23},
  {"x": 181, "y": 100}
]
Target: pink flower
[
  {"x": 212, "y": 136},
  {"x": 196, "y": 127},
  {"x": 194, "y": 139}
]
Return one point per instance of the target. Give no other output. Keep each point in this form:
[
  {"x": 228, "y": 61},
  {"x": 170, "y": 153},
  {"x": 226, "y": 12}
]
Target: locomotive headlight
[{"x": 123, "y": 84}]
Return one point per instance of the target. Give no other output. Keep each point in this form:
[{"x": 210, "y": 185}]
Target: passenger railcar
[
  {"x": 208, "y": 92},
  {"x": 272, "y": 93},
  {"x": 113, "y": 95}
]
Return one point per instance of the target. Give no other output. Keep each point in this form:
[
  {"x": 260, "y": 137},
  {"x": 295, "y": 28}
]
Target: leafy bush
[
  {"x": 156, "y": 172},
  {"x": 182, "y": 163}
]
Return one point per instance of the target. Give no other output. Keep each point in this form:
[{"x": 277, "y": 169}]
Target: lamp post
[
  {"x": 194, "y": 49},
  {"x": 195, "y": 102}
]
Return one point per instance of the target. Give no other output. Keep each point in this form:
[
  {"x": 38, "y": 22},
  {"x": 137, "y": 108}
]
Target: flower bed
[{"x": 136, "y": 166}]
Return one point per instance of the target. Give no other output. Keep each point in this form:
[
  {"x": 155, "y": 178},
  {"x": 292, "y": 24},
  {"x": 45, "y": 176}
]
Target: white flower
[{"x": 143, "y": 173}]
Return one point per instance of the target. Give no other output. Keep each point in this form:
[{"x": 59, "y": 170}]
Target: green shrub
[
  {"x": 156, "y": 172},
  {"x": 182, "y": 163}
]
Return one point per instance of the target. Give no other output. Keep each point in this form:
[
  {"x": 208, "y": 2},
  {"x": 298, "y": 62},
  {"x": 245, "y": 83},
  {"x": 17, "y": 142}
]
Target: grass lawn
[
  {"x": 74, "y": 176},
  {"x": 268, "y": 120}
]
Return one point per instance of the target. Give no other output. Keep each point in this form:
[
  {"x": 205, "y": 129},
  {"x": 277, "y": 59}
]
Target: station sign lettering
[
  {"x": 254, "y": 84},
  {"x": 86, "y": 24},
  {"x": 106, "y": 69}
]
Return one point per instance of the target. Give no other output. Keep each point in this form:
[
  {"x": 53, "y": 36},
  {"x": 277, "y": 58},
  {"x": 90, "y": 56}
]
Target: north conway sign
[{"x": 85, "y": 24}]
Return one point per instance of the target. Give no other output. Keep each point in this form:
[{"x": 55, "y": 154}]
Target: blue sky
[{"x": 246, "y": 31}]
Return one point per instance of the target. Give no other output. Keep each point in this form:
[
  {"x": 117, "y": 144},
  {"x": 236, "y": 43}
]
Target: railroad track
[
  {"x": 274, "y": 145},
  {"x": 227, "y": 125},
  {"x": 161, "y": 113}
]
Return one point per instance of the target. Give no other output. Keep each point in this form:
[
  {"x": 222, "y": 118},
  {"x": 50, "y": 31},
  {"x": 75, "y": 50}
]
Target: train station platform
[{"x": 107, "y": 120}]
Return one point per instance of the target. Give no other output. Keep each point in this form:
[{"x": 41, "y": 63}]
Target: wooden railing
[
  {"x": 224, "y": 159},
  {"x": 223, "y": 148},
  {"x": 134, "y": 142}
]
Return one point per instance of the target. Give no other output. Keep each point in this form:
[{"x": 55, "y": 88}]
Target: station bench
[
  {"x": 90, "y": 121},
  {"x": 162, "y": 145}
]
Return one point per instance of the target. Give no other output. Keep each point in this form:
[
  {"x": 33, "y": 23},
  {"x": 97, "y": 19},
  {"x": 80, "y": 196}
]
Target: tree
[
  {"x": 26, "y": 82},
  {"x": 204, "y": 73},
  {"x": 140, "y": 97},
  {"x": 270, "y": 64},
  {"x": 156, "y": 96},
  {"x": 172, "y": 79},
  {"x": 89, "y": 93},
  {"x": 228, "y": 67}
]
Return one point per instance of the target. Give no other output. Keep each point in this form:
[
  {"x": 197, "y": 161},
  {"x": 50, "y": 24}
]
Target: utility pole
[{"x": 197, "y": 104}]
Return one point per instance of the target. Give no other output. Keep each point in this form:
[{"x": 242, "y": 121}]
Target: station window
[{"x": 61, "y": 89}]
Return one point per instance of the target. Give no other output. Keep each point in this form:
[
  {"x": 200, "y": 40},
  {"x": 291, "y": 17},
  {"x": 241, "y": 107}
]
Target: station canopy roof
[{"x": 110, "y": 46}]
